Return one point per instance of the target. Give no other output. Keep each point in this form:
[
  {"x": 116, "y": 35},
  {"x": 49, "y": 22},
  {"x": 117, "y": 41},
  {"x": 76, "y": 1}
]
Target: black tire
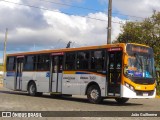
[
  {"x": 121, "y": 100},
  {"x": 32, "y": 90},
  {"x": 94, "y": 94}
]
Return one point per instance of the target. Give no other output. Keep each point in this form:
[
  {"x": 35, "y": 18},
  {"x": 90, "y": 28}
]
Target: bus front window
[{"x": 140, "y": 66}]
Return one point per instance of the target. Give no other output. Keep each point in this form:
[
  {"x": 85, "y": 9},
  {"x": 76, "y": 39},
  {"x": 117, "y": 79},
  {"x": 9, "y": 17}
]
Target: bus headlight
[
  {"x": 132, "y": 88},
  {"x": 129, "y": 86}
]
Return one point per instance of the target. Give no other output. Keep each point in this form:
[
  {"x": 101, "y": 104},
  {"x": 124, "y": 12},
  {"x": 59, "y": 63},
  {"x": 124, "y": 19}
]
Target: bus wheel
[
  {"x": 121, "y": 100},
  {"x": 94, "y": 94},
  {"x": 32, "y": 90}
]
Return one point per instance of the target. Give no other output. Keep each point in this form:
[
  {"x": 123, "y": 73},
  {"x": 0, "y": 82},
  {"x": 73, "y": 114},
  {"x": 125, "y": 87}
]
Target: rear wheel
[
  {"x": 32, "y": 90},
  {"x": 121, "y": 100},
  {"x": 94, "y": 94}
]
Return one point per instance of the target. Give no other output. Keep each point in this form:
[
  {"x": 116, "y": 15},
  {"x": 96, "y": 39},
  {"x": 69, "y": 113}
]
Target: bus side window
[
  {"x": 29, "y": 64},
  {"x": 43, "y": 62},
  {"x": 82, "y": 60},
  {"x": 97, "y": 59},
  {"x": 70, "y": 61},
  {"x": 10, "y": 63}
]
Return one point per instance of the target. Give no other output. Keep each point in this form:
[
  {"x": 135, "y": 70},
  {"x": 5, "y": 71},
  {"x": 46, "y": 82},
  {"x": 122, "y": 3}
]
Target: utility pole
[
  {"x": 5, "y": 43},
  {"x": 4, "y": 53},
  {"x": 109, "y": 22}
]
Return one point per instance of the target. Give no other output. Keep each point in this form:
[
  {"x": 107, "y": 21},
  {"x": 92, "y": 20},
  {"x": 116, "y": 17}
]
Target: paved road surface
[{"x": 18, "y": 101}]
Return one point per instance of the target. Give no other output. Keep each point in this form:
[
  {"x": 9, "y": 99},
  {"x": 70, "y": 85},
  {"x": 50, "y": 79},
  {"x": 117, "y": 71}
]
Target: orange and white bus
[{"x": 119, "y": 71}]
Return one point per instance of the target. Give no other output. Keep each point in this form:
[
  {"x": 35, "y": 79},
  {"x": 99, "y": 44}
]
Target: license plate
[{"x": 145, "y": 94}]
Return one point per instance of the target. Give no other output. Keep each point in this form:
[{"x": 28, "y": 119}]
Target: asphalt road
[{"x": 18, "y": 101}]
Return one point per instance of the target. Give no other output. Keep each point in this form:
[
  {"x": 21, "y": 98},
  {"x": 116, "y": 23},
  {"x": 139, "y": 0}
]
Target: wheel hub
[
  {"x": 32, "y": 89},
  {"x": 94, "y": 94}
]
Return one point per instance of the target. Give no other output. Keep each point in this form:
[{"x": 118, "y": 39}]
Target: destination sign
[
  {"x": 140, "y": 49},
  {"x": 132, "y": 49}
]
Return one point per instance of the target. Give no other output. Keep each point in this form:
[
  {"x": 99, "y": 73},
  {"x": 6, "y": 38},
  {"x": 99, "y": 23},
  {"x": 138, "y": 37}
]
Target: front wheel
[
  {"x": 121, "y": 100},
  {"x": 94, "y": 94}
]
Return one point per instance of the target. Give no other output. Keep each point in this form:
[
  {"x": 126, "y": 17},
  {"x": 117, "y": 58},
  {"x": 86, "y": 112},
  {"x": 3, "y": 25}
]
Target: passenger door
[
  {"x": 114, "y": 71},
  {"x": 19, "y": 70},
  {"x": 56, "y": 72}
]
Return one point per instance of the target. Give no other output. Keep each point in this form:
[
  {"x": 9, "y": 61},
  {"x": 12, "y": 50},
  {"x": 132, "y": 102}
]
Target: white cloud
[
  {"x": 139, "y": 8},
  {"x": 33, "y": 29},
  {"x": 62, "y": 28},
  {"x": 8, "y": 4},
  {"x": 80, "y": 29}
]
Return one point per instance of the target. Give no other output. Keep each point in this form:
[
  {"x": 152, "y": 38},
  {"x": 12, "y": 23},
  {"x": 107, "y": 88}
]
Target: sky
[{"x": 84, "y": 22}]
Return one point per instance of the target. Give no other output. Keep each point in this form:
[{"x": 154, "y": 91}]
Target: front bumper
[{"x": 128, "y": 93}]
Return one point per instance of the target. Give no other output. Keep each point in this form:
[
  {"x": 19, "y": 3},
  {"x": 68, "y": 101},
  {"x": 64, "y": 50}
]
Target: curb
[{"x": 157, "y": 96}]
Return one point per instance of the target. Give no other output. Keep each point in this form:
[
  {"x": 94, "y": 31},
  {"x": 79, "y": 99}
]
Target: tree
[{"x": 145, "y": 32}]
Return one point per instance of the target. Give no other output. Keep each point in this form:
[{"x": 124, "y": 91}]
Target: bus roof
[{"x": 72, "y": 49}]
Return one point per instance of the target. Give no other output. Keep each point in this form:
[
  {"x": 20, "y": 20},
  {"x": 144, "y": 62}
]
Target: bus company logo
[
  {"x": 48, "y": 74},
  {"x": 6, "y": 114},
  {"x": 92, "y": 77},
  {"x": 69, "y": 78},
  {"x": 83, "y": 77}
]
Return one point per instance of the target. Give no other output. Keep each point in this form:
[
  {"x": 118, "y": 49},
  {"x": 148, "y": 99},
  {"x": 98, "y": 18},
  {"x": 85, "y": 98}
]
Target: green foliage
[
  {"x": 146, "y": 32},
  {"x": 158, "y": 90}
]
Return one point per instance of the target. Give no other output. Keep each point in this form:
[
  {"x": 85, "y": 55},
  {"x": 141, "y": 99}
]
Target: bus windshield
[
  {"x": 141, "y": 66},
  {"x": 140, "y": 61}
]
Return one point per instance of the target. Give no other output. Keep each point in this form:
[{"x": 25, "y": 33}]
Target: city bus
[{"x": 120, "y": 71}]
